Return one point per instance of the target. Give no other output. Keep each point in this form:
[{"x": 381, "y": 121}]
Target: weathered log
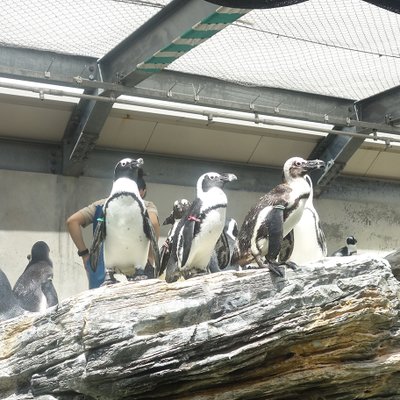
[{"x": 328, "y": 331}]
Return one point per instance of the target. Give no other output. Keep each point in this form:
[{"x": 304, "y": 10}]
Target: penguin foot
[
  {"x": 137, "y": 278},
  {"x": 109, "y": 279},
  {"x": 139, "y": 275},
  {"x": 292, "y": 265},
  {"x": 273, "y": 267}
]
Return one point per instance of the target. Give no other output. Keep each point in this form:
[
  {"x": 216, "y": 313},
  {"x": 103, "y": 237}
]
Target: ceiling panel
[
  {"x": 386, "y": 165},
  {"x": 125, "y": 132},
  {"x": 202, "y": 142},
  {"x": 33, "y": 119},
  {"x": 360, "y": 162},
  {"x": 275, "y": 151}
]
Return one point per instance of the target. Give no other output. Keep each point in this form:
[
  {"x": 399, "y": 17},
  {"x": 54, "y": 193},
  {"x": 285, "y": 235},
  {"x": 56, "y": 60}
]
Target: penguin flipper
[
  {"x": 287, "y": 247},
  {"x": 98, "y": 238},
  {"x": 151, "y": 235},
  {"x": 222, "y": 251},
  {"x": 187, "y": 237},
  {"x": 165, "y": 252},
  {"x": 213, "y": 266},
  {"x": 274, "y": 223},
  {"x": 50, "y": 293},
  {"x": 322, "y": 239}
]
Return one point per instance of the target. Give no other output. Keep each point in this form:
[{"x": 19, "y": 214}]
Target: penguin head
[
  {"x": 127, "y": 168},
  {"x": 351, "y": 240},
  {"x": 40, "y": 251},
  {"x": 212, "y": 180},
  {"x": 180, "y": 206},
  {"x": 297, "y": 167}
]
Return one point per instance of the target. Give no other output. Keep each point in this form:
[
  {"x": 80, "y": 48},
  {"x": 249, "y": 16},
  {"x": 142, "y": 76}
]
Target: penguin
[
  {"x": 306, "y": 242},
  {"x": 223, "y": 251},
  {"x": 199, "y": 228},
  {"x": 179, "y": 208},
  {"x": 125, "y": 229},
  {"x": 9, "y": 306},
  {"x": 274, "y": 216},
  {"x": 349, "y": 250},
  {"x": 34, "y": 289}
]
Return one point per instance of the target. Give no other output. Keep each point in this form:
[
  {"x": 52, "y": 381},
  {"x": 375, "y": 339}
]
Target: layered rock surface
[{"x": 328, "y": 331}]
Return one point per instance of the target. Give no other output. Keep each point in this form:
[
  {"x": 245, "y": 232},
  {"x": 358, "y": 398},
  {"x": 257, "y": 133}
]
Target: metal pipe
[{"x": 209, "y": 113}]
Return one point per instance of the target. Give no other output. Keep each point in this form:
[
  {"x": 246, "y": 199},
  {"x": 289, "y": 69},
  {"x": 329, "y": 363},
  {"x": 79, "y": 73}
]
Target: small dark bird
[
  {"x": 199, "y": 228},
  {"x": 349, "y": 250},
  {"x": 274, "y": 216},
  {"x": 34, "y": 289},
  {"x": 179, "y": 208},
  {"x": 126, "y": 229}
]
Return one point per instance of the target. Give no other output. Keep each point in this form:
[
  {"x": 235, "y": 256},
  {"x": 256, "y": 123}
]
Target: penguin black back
[
  {"x": 34, "y": 289},
  {"x": 9, "y": 307}
]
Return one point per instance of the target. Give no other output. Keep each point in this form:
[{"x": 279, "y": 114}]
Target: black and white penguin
[
  {"x": 306, "y": 242},
  {"x": 223, "y": 251},
  {"x": 199, "y": 228},
  {"x": 349, "y": 250},
  {"x": 178, "y": 209},
  {"x": 34, "y": 289},
  {"x": 9, "y": 306},
  {"x": 274, "y": 216},
  {"x": 125, "y": 230}
]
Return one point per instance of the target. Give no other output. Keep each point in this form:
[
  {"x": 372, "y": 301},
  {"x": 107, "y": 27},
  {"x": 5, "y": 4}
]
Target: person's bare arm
[{"x": 74, "y": 226}]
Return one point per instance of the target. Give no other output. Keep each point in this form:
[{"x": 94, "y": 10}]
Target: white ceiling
[{"x": 187, "y": 136}]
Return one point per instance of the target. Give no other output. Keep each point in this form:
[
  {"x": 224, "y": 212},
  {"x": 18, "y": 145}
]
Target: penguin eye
[{"x": 298, "y": 163}]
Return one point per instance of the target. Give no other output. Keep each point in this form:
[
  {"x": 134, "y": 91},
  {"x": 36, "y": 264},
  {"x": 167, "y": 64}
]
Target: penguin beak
[
  {"x": 314, "y": 164},
  {"x": 228, "y": 177},
  {"x": 169, "y": 220},
  {"x": 137, "y": 163}
]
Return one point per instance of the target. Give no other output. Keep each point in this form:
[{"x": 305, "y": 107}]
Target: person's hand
[{"x": 85, "y": 260}]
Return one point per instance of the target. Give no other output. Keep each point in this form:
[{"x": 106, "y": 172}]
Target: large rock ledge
[{"x": 330, "y": 331}]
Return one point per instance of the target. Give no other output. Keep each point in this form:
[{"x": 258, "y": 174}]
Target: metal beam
[
  {"x": 179, "y": 87},
  {"x": 173, "y": 31},
  {"x": 336, "y": 151},
  {"x": 383, "y": 107},
  {"x": 82, "y": 132},
  {"x": 176, "y": 29},
  {"x": 45, "y": 67}
]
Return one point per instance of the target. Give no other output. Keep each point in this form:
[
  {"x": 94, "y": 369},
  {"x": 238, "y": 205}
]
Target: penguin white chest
[
  {"x": 204, "y": 242},
  {"x": 294, "y": 217},
  {"x": 126, "y": 245}
]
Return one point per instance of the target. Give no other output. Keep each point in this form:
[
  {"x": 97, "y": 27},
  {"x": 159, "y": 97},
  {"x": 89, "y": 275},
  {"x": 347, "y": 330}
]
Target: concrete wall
[{"x": 34, "y": 206}]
